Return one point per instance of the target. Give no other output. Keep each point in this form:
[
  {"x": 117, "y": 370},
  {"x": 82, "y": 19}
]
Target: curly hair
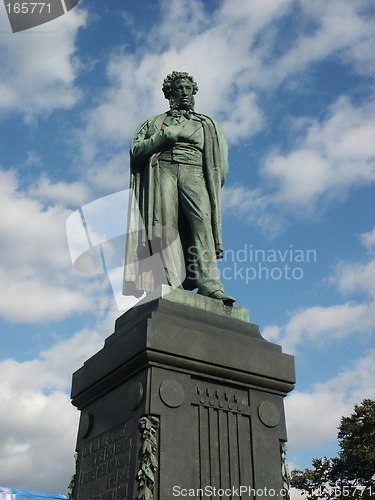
[{"x": 174, "y": 76}]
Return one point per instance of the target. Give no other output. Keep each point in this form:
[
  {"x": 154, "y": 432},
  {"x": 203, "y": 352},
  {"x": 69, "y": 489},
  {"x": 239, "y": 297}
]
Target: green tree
[{"x": 350, "y": 474}]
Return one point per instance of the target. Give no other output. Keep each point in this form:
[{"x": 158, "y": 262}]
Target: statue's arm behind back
[{"x": 223, "y": 146}]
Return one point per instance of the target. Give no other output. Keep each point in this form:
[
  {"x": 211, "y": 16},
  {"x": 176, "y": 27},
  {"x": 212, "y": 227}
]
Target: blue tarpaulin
[{"x": 13, "y": 494}]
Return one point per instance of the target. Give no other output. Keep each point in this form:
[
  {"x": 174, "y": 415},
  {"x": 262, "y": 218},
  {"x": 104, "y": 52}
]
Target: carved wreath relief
[{"x": 148, "y": 457}]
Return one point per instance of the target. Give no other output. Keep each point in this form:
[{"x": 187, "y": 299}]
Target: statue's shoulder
[
  {"x": 209, "y": 119},
  {"x": 203, "y": 117},
  {"x": 149, "y": 123},
  {"x": 152, "y": 120},
  {"x": 215, "y": 123}
]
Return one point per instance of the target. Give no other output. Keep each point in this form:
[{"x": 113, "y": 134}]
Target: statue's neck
[{"x": 181, "y": 112}]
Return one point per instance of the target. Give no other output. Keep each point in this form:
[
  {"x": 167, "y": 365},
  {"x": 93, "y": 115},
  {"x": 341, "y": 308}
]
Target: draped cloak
[{"x": 145, "y": 221}]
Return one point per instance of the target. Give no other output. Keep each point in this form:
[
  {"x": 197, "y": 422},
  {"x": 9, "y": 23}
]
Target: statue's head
[{"x": 179, "y": 88}]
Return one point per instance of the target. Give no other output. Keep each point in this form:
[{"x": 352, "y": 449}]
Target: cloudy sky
[{"x": 291, "y": 82}]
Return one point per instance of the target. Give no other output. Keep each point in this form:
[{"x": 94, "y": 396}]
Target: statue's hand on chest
[
  {"x": 173, "y": 132},
  {"x": 184, "y": 131}
]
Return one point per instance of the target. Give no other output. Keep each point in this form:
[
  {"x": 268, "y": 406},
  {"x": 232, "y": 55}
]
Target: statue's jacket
[{"x": 145, "y": 221}]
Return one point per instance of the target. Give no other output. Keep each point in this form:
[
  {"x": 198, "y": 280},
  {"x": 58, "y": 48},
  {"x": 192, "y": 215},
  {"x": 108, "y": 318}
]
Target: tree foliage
[{"x": 350, "y": 474}]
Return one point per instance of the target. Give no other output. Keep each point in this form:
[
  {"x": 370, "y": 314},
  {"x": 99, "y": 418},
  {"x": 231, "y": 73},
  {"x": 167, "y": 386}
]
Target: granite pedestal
[{"x": 185, "y": 399}]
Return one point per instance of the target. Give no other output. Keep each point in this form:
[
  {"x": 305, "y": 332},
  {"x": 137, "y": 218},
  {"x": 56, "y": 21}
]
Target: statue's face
[{"x": 183, "y": 94}]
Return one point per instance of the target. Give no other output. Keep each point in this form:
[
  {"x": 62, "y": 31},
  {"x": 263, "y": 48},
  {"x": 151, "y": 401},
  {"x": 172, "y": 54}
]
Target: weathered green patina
[{"x": 179, "y": 161}]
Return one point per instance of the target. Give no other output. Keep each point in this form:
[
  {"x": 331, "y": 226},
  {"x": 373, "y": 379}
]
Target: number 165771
[{"x": 28, "y": 7}]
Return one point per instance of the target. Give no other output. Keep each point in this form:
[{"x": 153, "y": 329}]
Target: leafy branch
[{"x": 148, "y": 457}]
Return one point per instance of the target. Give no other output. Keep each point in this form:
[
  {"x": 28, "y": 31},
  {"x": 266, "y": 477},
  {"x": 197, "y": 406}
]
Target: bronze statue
[{"x": 179, "y": 161}]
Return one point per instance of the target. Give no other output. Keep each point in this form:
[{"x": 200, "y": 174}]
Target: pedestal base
[{"x": 179, "y": 402}]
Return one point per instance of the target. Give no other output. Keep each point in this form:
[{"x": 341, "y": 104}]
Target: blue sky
[{"x": 291, "y": 82}]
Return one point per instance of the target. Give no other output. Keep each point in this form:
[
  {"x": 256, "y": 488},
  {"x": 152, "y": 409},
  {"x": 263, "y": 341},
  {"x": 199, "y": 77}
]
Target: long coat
[{"x": 144, "y": 216}]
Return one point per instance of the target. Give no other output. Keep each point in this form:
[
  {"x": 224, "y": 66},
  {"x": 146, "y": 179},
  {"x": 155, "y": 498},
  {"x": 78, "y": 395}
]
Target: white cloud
[
  {"x": 356, "y": 277},
  {"x": 33, "y": 158},
  {"x": 33, "y": 455},
  {"x": 108, "y": 174},
  {"x": 293, "y": 492},
  {"x": 181, "y": 21},
  {"x": 62, "y": 193},
  {"x": 26, "y": 220},
  {"x": 253, "y": 206},
  {"x": 39, "y": 66},
  {"x": 241, "y": 53},
  {"x": 243, "y": 38},
  {"x": 34, "y": 300},
  {"x": 257, "y": 14},
  {"x": 235, "y": 52},
  {"x": 326, "y": 28},
  {"x": 242, "y": 117},
  {"x": 331, "y": 158},
  {"x": 39, "y": 427},
  {"x": 319, "y": 410},
  {"x": 126, "y": 102},
  {"x": 36, "y": 271},
  {"x": 135, "y": 90},
  {"x": 317, "y": 325},
  {"x": 368, "y": 239}
]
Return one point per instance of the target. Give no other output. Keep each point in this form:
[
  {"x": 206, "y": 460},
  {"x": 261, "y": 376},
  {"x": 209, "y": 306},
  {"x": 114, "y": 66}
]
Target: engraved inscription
[{"x": 105, "y": 464}]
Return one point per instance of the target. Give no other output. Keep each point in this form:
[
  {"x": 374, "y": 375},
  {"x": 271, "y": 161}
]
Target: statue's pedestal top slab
[{"x": 198, "y": 301}]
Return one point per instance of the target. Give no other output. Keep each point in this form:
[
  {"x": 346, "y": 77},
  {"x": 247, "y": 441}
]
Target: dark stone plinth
[{"x": 216, "y": 388}]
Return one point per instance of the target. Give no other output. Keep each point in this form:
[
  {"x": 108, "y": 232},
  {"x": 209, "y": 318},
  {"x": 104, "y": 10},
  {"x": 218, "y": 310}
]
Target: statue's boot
[{"x": 227, "y": 299}]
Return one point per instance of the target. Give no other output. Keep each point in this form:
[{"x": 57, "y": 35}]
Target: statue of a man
[{"x": 179, "y": 161}]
